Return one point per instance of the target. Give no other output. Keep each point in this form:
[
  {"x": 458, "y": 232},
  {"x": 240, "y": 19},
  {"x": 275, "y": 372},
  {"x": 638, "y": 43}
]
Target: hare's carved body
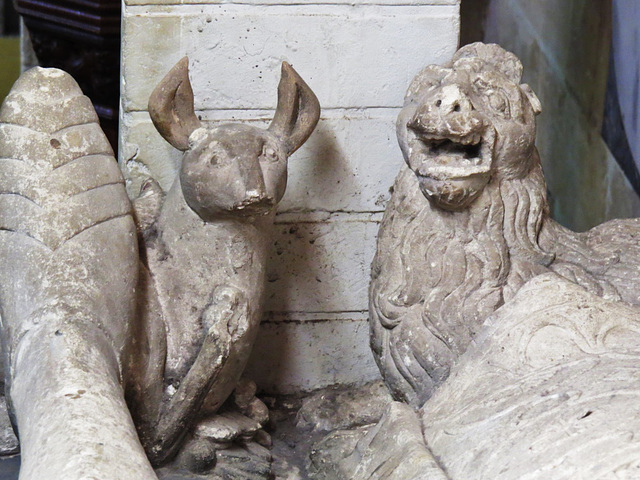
[{"x": 204, "y": 254}]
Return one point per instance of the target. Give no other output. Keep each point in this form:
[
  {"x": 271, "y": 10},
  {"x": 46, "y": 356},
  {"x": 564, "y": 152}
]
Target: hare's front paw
[{"x": 226, "y": 317}]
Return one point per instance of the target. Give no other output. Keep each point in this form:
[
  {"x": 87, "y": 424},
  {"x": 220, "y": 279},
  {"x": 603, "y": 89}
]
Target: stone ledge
[
  {"x": 303, "y": 317},
  {"x": 297, "y": 3}
]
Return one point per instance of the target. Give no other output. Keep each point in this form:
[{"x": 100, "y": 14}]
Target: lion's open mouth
[
  {"x": 448, "y": 148},
  {"x": 452, "y": 156}
]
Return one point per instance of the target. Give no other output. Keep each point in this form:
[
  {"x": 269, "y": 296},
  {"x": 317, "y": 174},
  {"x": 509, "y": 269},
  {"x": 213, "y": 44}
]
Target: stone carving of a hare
[{"x": 205, "y": 256}]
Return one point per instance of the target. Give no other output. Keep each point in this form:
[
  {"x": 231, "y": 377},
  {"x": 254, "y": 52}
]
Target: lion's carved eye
[{"x": 498, "y": 102}]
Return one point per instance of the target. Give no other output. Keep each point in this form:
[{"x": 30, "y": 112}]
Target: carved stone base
[
  {"x": 249, "y": 461},
  {"x": 230, "y": 444},
  {"x": 391, "y": 449}
]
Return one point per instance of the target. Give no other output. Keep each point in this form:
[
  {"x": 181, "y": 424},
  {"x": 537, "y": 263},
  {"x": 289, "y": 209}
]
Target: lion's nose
[{"x": 451, "y": 99}]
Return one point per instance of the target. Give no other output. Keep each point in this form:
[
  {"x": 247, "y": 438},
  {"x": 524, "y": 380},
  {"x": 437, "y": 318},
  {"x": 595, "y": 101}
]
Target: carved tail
[{"x": 68, "y": 270}]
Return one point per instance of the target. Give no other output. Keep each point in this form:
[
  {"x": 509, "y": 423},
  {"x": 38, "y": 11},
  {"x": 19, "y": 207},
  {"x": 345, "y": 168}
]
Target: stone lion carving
[
  {"x": 516, "y": 340},
  {"x": 468, "y": 223}
]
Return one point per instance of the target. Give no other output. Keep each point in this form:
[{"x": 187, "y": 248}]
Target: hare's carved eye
[
  {"x": 269, "y": 154},
  {"x": 214, "y": 154}
]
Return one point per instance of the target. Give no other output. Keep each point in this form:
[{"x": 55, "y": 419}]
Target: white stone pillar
[{"x": 359, "y": 57}]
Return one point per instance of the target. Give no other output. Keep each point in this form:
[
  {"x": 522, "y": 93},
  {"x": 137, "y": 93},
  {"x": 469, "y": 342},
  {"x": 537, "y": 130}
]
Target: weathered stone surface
[
  {"x": 204, "y": 275},
  {"x": 330, "y": 351},
  {"x": 69, "y": 264},
  {"x": 241, "y": 462},
  {"x": 316, "y": 267},
  {"x": 80, "y": 331},
  {"x": 338, "y": 179},
  {"x": 226, "y": 427},
  {"x": 546, "y": 390},
  {"x": 392, "y": 449},
  {"x": 334, "y": 171},
  {"x": 251, "y": 40},
  {"x": 9, "y": 444},
  {"x": 336, "y": 408},
  {"x": 537, "y": 324},
  {"x": 553, "y": 376},
  {"x": 468, "y": 223}
]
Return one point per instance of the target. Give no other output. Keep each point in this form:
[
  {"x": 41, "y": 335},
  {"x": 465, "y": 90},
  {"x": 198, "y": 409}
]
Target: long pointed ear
[
  {"x": 171, "y": 106},
  {"x": 533, "y": 98},
  {"x": 298, "y": 110}
]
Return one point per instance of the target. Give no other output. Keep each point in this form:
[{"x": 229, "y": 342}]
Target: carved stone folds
[{"x": 68, "y": 274}]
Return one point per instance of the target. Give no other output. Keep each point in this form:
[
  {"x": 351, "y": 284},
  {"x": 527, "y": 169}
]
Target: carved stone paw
[
  {"x": 240, "y": 419},
  {"x": 233, "y": 441},
  {"x": 226, "y": 317},
  {"x": 146, "y": 207}
]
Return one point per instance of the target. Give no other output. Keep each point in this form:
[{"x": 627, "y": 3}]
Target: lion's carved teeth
[{"x": 471, "y": 139}]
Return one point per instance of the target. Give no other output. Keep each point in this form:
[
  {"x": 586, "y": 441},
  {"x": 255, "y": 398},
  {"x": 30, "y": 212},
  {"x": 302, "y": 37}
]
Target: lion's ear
[{"x": 533, "y": 98}]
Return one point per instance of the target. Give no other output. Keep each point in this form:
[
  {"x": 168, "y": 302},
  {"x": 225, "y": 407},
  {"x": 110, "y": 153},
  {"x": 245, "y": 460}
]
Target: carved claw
[{"x": 146, "y": 207}]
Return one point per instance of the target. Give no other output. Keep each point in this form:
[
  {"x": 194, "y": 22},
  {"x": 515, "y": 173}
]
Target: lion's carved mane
[{"x": 439, "y": 273}]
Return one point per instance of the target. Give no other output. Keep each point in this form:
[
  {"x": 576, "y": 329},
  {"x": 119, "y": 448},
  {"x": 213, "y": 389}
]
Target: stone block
[
  {"x": 150, "y": 47},
  {"x": 351, "y": 56},
  {"x": 292, "y": 356},
  {"x": 321, "y": 266}
]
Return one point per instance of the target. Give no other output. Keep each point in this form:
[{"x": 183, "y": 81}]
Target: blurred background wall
[{"x": 9, "y": 46}]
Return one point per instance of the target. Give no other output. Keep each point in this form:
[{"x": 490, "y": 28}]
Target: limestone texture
[
  {"x": 338, "y": 182},
  {"x": 204, "y": 251},
  {"x": 69, "y": 267},
  {"x": 468, "y": 223},
  {"x": 547, "y": 390}
]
